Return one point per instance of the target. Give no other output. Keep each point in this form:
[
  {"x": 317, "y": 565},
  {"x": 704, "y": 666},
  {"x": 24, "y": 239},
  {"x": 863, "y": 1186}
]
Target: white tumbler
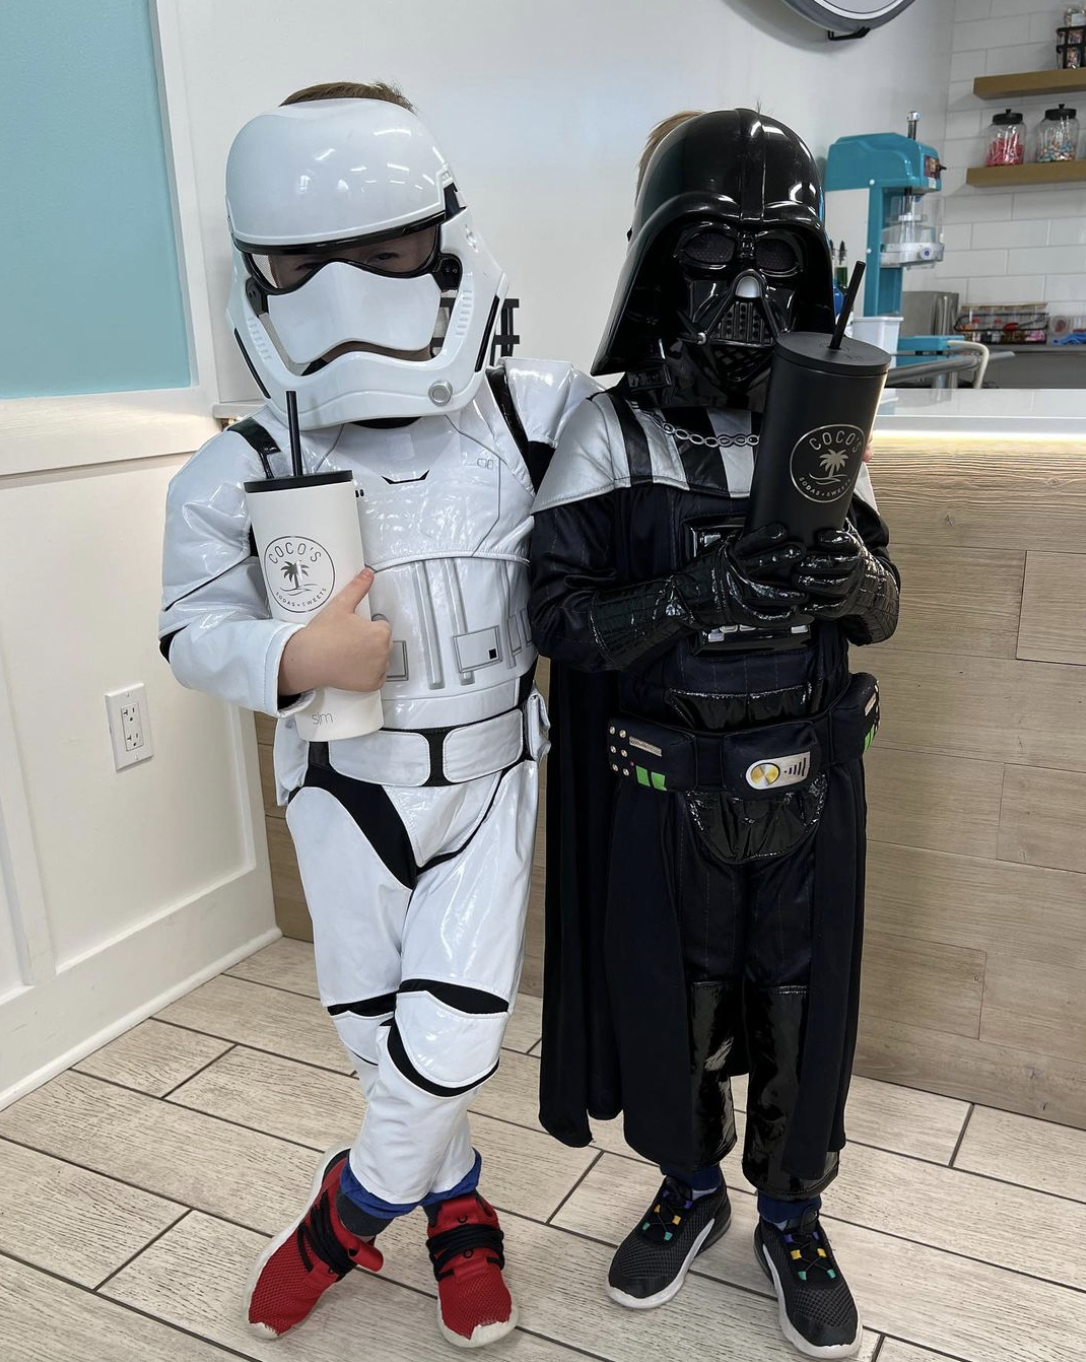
[{"x": 309, "y": 544}]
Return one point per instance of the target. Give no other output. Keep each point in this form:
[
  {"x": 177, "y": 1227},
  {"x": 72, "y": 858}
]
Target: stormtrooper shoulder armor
[
  {"x": 207, "y": 521},
  {"x": 544, "y": 395}
]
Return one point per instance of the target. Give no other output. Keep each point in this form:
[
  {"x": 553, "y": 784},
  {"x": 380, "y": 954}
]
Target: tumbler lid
[
  {"x": 1007, "y": 117},
  {"x": 811, "y": 350},
  {"x": 291, "y": 484},
  {"x": 1057, "y": 115}
]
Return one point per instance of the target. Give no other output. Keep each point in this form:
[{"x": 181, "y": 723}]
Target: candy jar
[
  {"x": 1057, "y": 135},
  {"x": 1006, "y": 143}
]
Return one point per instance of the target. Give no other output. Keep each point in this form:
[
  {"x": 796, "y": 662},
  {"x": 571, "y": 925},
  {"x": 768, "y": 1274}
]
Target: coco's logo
[
  {"x": 824, "y": 460},
  {"x": 299, "y": 572}
]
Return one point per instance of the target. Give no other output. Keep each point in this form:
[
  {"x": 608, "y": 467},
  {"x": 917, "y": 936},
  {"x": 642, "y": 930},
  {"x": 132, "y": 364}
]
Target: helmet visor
[{"x": 283, "y": 269}]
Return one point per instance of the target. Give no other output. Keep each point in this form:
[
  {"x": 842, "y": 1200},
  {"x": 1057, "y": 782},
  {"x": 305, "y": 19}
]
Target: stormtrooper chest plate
[{"x": 445, "y": 514}]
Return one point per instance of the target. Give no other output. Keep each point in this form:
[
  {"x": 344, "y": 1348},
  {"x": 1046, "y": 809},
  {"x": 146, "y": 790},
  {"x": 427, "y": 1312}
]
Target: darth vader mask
[{"x": 727, "y": 252}]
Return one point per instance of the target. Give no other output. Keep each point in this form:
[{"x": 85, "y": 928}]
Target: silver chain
[{"x": 709, "y": 441}]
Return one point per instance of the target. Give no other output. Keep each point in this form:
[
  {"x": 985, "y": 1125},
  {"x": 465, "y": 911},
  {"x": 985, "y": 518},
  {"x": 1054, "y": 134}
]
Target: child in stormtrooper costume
[
  {"x": 703, "y": 922},
  {"x": 361, "y": 284}
]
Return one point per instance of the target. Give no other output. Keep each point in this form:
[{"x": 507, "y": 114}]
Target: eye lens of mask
[
  {"x": 404, "y": 254},
  {"x": 708, "y": 249},
  {"x": 775, "y": 255}
]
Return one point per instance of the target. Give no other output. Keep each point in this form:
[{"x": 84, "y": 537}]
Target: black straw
[
  {"x": 295, "y": 438},
  {"x": 846, "y": 306}
]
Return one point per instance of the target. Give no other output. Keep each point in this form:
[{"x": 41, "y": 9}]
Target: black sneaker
[
  {"x": 817, "y": 1313},
  {"x": 652, "y": 1261}
]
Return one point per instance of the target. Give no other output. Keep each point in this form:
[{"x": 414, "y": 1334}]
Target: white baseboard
[{"x": 55, "y": 1023}]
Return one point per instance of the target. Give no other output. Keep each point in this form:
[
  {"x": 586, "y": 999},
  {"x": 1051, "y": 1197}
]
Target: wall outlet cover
[{"x": 129, "y": 726}]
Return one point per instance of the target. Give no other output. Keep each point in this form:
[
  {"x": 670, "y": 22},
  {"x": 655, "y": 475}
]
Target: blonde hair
[
  {"x": 661, "y": 130},
  {"x": 347, "y": 89}
]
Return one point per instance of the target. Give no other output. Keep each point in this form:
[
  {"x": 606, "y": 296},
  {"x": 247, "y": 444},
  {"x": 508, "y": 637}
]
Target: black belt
[{"x": 752, "y": 764}]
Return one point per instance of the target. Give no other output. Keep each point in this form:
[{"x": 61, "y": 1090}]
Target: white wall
[
  {"x": 543, "y": 111},
  {"x": 1019, "y": 247}
]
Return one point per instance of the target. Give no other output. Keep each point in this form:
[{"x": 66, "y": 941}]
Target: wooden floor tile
[
  {"x": 197, "y": 1278},
  {"x": 904, "y": 1120},
  {"x": 951, "y": 1210},
  {"x": 1020, "y": 1149},
  {"x": 45, "y": 1320},
  {"x": 264, "y": 1018},
  {"x": 895, "y": 1351},
  {"x": 524, "y": 1170},
  {"x": 186, "y": 1156},
  {"x": 70, "y": 1221},
  {"x": 286, "y": 964},
  {"x": 153, "y": 1057},
  {"x": 525, "y": 1024},
  {"x": 974, "y": 1310}
]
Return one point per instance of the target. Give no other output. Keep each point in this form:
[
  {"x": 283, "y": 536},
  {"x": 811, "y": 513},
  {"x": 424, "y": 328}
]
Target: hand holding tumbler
[{"x": 309, "y": 544}]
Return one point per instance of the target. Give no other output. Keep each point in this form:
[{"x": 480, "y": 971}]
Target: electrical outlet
[{"x": 129, "y": 726}]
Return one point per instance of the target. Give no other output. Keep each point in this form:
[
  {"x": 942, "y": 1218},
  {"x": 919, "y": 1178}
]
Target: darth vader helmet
[{"x": 727, "y": 251}]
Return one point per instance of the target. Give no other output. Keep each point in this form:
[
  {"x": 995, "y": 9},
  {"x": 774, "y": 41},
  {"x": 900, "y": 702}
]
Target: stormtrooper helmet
[
  {"x": 727, "y": 251},
  {"x": 359, "y": 281}
]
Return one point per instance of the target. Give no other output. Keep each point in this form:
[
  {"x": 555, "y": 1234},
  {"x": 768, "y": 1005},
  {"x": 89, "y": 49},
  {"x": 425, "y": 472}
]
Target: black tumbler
[{"x": 819, "y": 410}]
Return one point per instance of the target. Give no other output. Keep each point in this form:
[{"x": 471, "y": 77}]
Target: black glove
[
  {"x": 732, "y": 583},
  {"x": 843, "y": 580},
  {"x": 743, "y": 580}
]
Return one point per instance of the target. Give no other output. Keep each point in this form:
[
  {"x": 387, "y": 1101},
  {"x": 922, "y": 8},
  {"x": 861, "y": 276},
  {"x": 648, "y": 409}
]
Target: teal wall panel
[{"x": 90, "y": 293}]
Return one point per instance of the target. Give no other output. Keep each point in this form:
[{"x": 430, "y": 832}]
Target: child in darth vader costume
[{"x": 705, "y": 890}]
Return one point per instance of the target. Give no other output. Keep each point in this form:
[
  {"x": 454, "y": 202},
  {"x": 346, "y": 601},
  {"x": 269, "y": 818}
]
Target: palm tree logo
[
  {"x": 294, "y": 572},
  {"x": 833, "y": 461}
]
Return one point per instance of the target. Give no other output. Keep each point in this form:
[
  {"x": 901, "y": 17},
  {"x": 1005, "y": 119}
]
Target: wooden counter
[{"x": 975, "y": 967}]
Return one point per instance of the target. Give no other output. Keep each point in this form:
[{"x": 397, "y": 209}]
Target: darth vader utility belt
[{"x": 754, "y": 763}]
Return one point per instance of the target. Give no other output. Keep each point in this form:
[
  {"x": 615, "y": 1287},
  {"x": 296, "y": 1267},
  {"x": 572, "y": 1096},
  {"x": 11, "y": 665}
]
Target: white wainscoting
[{"x": 118, "y": 890}]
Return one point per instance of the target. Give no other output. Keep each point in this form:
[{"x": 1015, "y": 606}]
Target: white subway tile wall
[{"x": 1006, "y": 247}]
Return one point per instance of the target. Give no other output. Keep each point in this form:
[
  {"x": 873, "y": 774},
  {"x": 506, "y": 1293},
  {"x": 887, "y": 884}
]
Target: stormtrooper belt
[
  {"x": 755, "y": 763},
  {"x": 433, "y": 756}
]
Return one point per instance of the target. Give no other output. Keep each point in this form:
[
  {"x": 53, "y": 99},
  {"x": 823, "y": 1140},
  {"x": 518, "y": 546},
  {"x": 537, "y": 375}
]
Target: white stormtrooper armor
[
  {"x": 360, "y": 284},
  {"x": 436, "y": 894}
]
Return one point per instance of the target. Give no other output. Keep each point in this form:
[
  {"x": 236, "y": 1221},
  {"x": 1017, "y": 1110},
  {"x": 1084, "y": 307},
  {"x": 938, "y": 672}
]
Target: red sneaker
[
  {"x": 314, "y": 1253},
  {"x": 474, "y": 1307}
]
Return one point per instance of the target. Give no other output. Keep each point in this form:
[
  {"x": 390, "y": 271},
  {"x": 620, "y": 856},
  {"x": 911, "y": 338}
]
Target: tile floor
[{"x": 136, "y": 1189}]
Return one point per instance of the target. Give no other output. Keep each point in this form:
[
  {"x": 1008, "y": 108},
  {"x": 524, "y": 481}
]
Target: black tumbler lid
[
  {"x": 1062, "y": 112},
  {"x": 811, "y": 350},
  {"x": 1007, "y": 117},
  {"x": 310, "y": 480}
]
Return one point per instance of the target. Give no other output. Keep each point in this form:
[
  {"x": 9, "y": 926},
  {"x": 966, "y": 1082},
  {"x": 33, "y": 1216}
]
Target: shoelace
[
  {"x": 317, "y": 1230},
  {"x": 678, "y": 1208},
  {"x": 450, "y": 1244},
  {"x": 808, "y": 1249}
]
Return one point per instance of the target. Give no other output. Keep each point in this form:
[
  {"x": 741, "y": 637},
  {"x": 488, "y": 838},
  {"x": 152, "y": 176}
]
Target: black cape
[
  {"x": 579, "y": 1075},
  {"x": 580, "y": 1080}
]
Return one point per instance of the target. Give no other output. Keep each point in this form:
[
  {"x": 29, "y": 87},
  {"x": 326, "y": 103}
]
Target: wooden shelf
[
  {"x": 1019, "y": 177},
  {"x": 1056, "y": 82}
]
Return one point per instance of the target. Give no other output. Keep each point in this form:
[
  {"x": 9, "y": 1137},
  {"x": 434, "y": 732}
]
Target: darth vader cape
[
  {"x": 580, "y": 1075},
  {"x": 580, "y": 1079}
]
